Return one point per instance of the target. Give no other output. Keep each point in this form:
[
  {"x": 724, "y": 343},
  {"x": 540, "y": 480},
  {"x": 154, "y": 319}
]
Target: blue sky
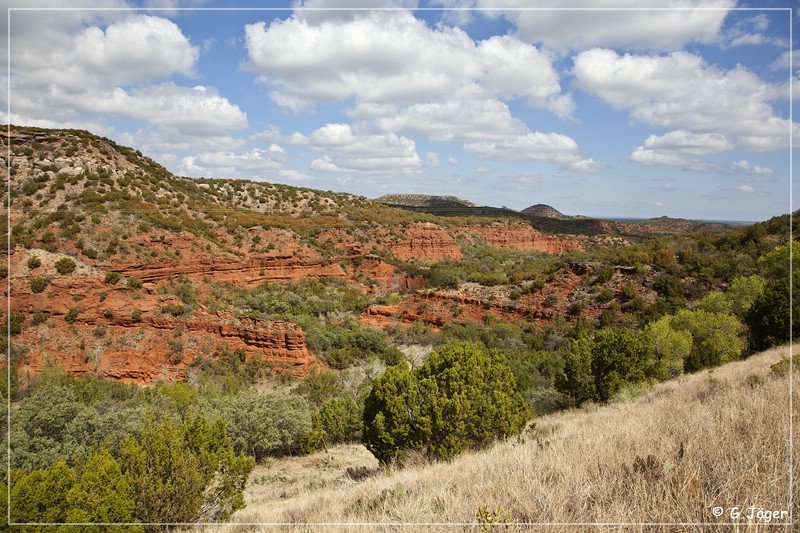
[{"x": 605, "y": 113}]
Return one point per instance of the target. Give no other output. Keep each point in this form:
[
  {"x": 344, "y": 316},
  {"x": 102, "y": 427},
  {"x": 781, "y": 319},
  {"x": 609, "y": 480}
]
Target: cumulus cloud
[
  {"x": 461, "y": 119},
  {"x": 406, "y": 77},
  {"x": 121, "y": 70},
  {"x": 347, "y": 151},
  {"x": 255, "y": 163},
  {"x": 688, "y": 142},
  {"x": 680, "y": 90},
  {"x": 749, "y": 189},
  {"x": 632, "y": 28},
  {"x": 675, "y": 148},
  {"x": 196, "y": 110},
  {"x": 138, "y": 48},
  {"x": 745, "y": 166},
  {"x": 393, "y": 57}
]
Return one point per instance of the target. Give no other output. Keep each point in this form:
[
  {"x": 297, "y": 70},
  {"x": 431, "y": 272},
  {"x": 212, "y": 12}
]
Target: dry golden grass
[{"x": 716, "y": 438}]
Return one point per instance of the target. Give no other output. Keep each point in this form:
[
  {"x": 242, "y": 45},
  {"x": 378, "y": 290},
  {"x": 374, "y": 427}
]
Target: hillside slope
[
  {"x": 122, "y": 269},
  {"x": 544, "y": 210},
  {"x": 716, "y": 438}
]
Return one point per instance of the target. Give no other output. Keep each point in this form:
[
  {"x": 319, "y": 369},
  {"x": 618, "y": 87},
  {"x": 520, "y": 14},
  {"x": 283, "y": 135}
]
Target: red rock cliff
[
  {"x": 522, "y": 237},
  {"x": 426, "y": 242}
]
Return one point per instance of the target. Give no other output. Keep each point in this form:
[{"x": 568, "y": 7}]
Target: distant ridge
[
  {"x": 424, "y": 200},
  {"x": 543, "y": 210}
]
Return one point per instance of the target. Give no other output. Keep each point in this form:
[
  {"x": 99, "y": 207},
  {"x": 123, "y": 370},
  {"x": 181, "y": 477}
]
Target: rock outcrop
[
  {"x": 253, "y": 270},
  {"x": 426, "y": 242},
  {"x": 522, "y": 237}
]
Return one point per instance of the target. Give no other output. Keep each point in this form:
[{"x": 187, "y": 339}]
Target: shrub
[
  {"x": 39, "y": 284},
  {"x": 743, "y": 292},
  {"x": 340, "y": 419},
  {"x": 265, "y": 423},
  {"x": 716, "y": 338},
  {"x": 34, "y": 262},
  {"x": 768, "y": 316},
  {"x": 184, "y": 472},
  {"x": 174, "y": 310},
  {"x": 577, "y": 380},
  {"x": 715, "y": 302},
  {"x": 670, "y": 347},
  {"x": 41, "y": 495},
  {"x": 136, "y": 314},
  {"x": 320, "y": 386},
  {"x": 71, "y": 315},
  {"x": 102, "y": 493},
  {"x": 39, "y": 317},
  {"x": 390, "y": 410},
  {"x": 134, "y": 283},
  {"x": 112, "y": 277},
  {"x": 463, "y": 397},
  {"x": 619, "y": 358}
]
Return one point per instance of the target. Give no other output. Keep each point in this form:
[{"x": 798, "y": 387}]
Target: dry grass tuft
[{"x": 716, "y": 438}]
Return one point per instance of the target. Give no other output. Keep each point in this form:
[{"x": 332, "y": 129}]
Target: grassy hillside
[{"x": 715, "y": 438}]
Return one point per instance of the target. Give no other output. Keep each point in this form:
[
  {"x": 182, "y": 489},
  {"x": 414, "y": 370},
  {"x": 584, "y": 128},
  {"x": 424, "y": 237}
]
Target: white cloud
[
  {"x": 89, "y": 74},
  {"x": 689, "y": 143},
  {"x": 585, "y": 166},
  {"x": 108, "y": 58},
  {"x": 316, "y": 12},
  {"x": 188, "y": 110},
  {"x": 747, "y": 32},
  {"x": 655, "y": 157},
  {"x": 482, "y": 170},
  {"x": 462, "y": 119},
  {"x": 394, "y": 58},
  {"x": 631, "y": 28},
  {"x": 452, "y": 160},
  {"x": 255, "y": 163},
  {"x": 431, "y": 159},
  {"x": 759, "y": 22},
  {"x": 346, "y": 151},
  {"x": 782, "y": 63},
  {"x": 680, "y": 90},
  {"x": 749, "y": 189},
  {"x": 745, "y": 166},
  {"x": 553, "y": 147}
]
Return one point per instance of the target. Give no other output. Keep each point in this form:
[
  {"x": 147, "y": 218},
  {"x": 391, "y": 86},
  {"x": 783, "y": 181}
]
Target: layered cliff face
[
  {"x": 471, "y": 302},
  {"x": 86, "y": 324},
  {"x": 522, "y": 237},
  {"x": 156, "y": 348},
  {"x": 426, "y": 242}
]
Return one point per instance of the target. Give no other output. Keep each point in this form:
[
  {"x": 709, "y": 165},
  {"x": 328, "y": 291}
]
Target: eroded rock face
[
  {"x": 426, "y": 242},
  {"x": 109, "y": 339},
  {"x": 253, "y": 270},
  {"x": 158, "y": 348},
  {"x": 522, "y": 237}
]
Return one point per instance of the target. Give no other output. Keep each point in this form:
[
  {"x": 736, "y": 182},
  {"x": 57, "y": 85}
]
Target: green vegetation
[
  {"x": 112, "y": 277},
  {"x": 490, "y": 266},
  {"x": 72, "y": 315},
  {"x": 463, "y": 397},
  {"x": 65, "y": 265},
  {"x": 90, "y": 450},
  {"x": 39, "y": 284},
  {"x": 596, "y": 325},
  {"x": 768, "y": 316}
]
